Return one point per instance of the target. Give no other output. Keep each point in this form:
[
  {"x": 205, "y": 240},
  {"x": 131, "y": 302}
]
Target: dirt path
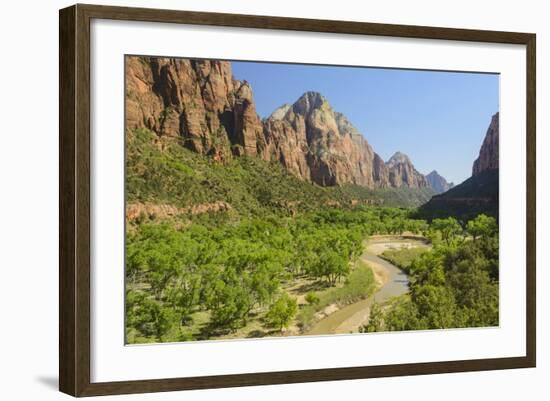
[{"x": 391, "y": 282}]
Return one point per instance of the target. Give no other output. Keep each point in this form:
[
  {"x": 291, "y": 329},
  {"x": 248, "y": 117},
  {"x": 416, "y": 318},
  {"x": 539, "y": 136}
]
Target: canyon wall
[{"x": 212, "y": 113}]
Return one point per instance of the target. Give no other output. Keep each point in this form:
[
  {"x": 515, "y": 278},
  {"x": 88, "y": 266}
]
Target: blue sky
[{"x": 439, "y": 119}]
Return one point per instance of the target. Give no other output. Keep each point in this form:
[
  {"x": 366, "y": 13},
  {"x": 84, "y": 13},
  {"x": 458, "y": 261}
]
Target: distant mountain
[
  {"x": 438, "y": 183},
  {"x": 479, "y": 193},
  {"x": 403, "y": 174},
  {"x": 200, "y": 103}
]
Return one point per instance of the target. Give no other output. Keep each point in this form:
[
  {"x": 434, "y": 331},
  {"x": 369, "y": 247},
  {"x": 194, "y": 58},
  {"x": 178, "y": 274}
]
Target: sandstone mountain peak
[
  {"x": 345, "y": 126},
  {"x": 402, "y": 172},
  {"x": 309, "y": 102},
  {"x": 243, "y": 89},
  {"x": 488, "y": 154},
  {"x": 317, "y": 144},
  {"x": 280, "y": 112},
  {"x": 313, "y": 97},
  {"x": 438, "y": 183},
  {"x": 200, "y": 103},
  {"x": 398, "y": 157}
]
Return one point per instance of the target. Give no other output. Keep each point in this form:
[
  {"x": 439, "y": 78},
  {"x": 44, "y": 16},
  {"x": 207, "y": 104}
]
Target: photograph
[{"x": 270, "y": 199}]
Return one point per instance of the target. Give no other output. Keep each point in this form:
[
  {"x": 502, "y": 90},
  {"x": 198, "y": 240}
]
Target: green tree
[
  {"x": 230, "y": 299},
  {"x": 482, "y": 226},
  {"x": 282, "y": 311},
  {"x": 476, "y": 294},
  {"x": 403, "y": 315},
  {"x": 448, "y": 228},
  {"x": 376, "y": 319},
  {"x": 428, "y": 268},
  {"x": 332, "y": 266},
  {"x": 147, "y": 316},
  {"x": 183, "y": 294},
  {"x": 436, "y": 306}
]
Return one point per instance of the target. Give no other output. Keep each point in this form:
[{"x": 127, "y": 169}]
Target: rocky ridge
[
  {"x": 438, "y": 183},
  {"x": 477, "y": 194},
  {"x": 488, "y": 154},
  {"x": 212, "y": 113},
  {"x": 402, "y": 172}
]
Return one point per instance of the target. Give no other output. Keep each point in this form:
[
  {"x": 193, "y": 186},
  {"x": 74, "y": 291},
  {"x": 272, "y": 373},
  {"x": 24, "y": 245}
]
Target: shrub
[{"x": 312, "y": 298}]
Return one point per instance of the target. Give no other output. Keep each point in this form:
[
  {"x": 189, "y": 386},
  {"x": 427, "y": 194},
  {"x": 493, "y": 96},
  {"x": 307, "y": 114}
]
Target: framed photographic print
[{"x": 250, "y": 200}]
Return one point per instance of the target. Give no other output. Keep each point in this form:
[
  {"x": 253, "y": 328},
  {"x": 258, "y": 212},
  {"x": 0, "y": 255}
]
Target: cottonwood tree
[
  {"x": 282, "y": 311},
  {"x": 449, "y": 229},
  {"x": 482, "y": 226}
]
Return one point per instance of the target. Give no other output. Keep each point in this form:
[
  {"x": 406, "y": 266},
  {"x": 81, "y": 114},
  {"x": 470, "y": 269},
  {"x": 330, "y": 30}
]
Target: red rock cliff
[
  {"x": 214, "y": 114},
  {"x": 488, "y": 154},
  {"x": 197, "y": 100}
]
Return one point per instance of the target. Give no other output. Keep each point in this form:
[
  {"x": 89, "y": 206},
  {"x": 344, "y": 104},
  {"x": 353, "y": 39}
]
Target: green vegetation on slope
[
  {"x": 162, "y": 171},
  {"x": 477, "y": 195}
]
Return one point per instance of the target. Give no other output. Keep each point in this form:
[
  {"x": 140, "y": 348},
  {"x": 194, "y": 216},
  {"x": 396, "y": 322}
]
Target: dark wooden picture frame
[{"x": 74, "y": 203}]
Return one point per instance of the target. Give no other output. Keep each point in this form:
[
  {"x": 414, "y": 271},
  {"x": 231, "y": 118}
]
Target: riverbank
[
  {"x": 346, "y": 307},
  {"x": 391, "y": 282}
]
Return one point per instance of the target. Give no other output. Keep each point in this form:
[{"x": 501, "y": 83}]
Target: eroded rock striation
[
  {"x": 488, "y": 154},
  {"x": 318, "y": 144},
  {"x": 201, "y": 103},
  {"x": 196, "y": 100},
  {"x": 403, "y": 174}
]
